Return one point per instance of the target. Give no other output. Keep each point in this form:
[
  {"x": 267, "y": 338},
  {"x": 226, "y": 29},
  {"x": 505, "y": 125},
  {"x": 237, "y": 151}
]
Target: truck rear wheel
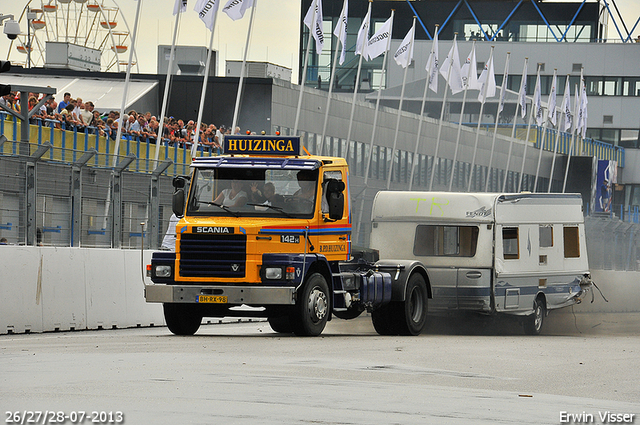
[
  {"x": 312, "y": 309},
  {"x": 406, "y": 317},
  {"x": 182, "y": 319}
]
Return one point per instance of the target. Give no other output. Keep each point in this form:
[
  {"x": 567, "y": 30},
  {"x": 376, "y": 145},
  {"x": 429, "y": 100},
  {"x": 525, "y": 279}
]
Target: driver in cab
[{"x": 307, "y": 183}]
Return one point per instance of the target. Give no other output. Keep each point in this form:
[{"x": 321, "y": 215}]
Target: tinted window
[{"x": 448, "y": 241}]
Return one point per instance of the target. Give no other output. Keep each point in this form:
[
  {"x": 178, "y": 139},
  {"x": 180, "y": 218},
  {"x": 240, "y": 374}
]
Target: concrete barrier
[{"x": 46, "y": 289}]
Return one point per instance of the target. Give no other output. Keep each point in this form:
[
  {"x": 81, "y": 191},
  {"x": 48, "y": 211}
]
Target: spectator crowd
[{"x": 70, "y": 114}]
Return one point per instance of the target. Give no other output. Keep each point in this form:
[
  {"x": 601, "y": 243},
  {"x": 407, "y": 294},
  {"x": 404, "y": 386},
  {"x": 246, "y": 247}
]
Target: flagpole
[
  {"x": 125, "y": 90},
  {"x": 555, "y": 147},
  {"x": 242, "y": 68},
  {"x": 484, "y": 99},
  {"x": 573, "y": 140},
  {"x": 505, "y": 76},
  {"x": 395, "y": 137},
  {"x": 375, "y": 123},
  {"x": 166, "y": 86},
  {"x": 421, "y": 120},
  {"x": 196, "y": 132},
  {"x": 419, "y": 132},
  {"x": 357, "y": 82},
  {"x": 526, "y": 141},
  {"x": 444, "y": 102},
  {"x": 544, "y": 133},
  {"x": 375, "y": 116},
  {"x": 513, "y": 131},
  {"x": 314, "y": 5},
  {"x": 464, "y": 101},
  {"x": 353, "y": 105},
  {"x": 126, "y": 85},
  {"x": 326, "y": 109}
]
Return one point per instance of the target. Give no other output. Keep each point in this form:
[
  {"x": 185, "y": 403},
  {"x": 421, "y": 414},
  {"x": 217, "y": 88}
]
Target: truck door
[{"x": 334, "y": 235}]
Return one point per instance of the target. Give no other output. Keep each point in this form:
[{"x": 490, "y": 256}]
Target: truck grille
[{"x": 213, "y": 255}]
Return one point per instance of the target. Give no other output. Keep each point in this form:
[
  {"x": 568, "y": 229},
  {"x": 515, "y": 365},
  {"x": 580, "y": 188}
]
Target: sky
[{"x": 274, "y": 35}]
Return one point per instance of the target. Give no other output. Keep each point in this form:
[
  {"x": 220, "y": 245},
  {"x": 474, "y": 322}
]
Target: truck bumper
[{"x": 236, "y": 295}]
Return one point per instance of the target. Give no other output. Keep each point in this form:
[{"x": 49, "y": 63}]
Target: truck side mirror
[
  {"x": 179, "y": 182},
  {"x": 335, "y": 198},
  {"x": 177, "y": 202}
]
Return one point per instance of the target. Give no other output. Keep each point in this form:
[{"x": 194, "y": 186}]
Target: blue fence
[{"x": 69, "y": 144}]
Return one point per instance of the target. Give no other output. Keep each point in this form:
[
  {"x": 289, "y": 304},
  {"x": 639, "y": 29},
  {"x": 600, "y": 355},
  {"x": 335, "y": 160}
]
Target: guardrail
[{"x": 587, "y": 146}]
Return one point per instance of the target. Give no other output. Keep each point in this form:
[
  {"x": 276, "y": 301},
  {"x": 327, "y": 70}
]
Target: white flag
[
  {"x": 579, "y": 104},
  {"x": 553, "y": 99},
  {"x": 379, "y": 42},
  {"x": 537, "y": 101},
  {"x": 235, "y": 8},
  {"x": 341, "y": 30},
  {"x": 471, "y": 74},
  {"x": 180, "y": 7},
  {"x": 487, "y": 77},
  {"x": 404, "y": 54},
  {"x": 207, "y": 11},
  {"x": 363, "y": 34},
  {"x": 503, "y": 87},
  {"x": 318, "y": 34},
  {"x": 432, "y": 64},
  {"x": 454, "y": 75},
  {"x": 583, "y": 110},
  {"x": 522, "y": 93},
  {"x": 566, "y": 108}
]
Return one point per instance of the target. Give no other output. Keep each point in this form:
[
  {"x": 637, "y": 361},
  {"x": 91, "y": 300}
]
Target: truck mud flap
[{"x": 375, "y": 288}]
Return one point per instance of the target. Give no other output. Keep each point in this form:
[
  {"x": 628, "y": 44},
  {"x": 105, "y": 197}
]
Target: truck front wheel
[
  {"x": 312, "y": 309},
  {"x": 182, "y": 319}
]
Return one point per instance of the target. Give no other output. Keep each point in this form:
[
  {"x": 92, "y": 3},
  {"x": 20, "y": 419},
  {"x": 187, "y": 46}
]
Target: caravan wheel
[{"x": 533, "y": 322}]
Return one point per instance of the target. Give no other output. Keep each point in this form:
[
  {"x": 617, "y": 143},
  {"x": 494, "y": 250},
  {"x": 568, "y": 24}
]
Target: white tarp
[{"x": 105, "y": 94}]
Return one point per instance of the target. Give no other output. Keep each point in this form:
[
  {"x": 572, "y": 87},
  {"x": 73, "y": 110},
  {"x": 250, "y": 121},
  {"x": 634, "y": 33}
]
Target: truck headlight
[
  {"x": 163, "y": 271},
  {"x": 273, "y": 273}
]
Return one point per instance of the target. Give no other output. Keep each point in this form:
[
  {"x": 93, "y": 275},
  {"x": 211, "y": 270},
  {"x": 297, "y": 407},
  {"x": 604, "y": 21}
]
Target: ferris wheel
[{"x": 90, "y": 24}]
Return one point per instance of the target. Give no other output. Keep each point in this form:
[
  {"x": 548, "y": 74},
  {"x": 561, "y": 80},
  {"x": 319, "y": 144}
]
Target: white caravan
[{"x": 519, "y": 254}]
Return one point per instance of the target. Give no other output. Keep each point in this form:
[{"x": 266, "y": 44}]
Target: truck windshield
[{"x": 253, "y": 192}]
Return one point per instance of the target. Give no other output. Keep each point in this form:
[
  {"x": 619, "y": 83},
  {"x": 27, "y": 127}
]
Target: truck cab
[{"x": 264, "y": 227}]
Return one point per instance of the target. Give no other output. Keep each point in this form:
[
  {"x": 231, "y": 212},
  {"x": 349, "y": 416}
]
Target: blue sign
[{"x": 262, "y": 145}]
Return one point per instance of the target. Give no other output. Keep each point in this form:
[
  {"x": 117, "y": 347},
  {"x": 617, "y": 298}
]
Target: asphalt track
[{"x": 243, "y": 373}]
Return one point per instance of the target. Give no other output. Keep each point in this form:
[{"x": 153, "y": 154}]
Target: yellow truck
[{"x": 265, "y": 231}]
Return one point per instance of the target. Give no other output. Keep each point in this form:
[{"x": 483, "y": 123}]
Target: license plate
[{"x": 216, "y": 299}]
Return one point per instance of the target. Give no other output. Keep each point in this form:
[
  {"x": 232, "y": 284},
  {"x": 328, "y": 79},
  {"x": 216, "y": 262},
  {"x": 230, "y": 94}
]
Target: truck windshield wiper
[
  {"x": 224, "y": 207},
  {"x": 279, "y": 209}
]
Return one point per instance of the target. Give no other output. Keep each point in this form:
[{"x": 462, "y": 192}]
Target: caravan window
[
  {"x": 510, "y": 243},
  {"x": 571, "y": 242},
  {"x": 448, "y": 241},
  {"x": 546, "y": 236}
]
